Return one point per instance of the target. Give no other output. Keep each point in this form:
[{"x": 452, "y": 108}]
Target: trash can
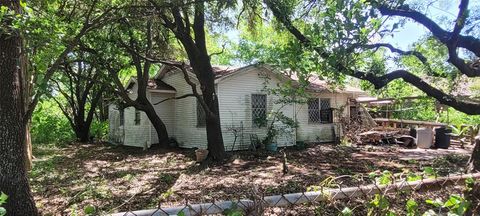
[
  {"x": 413, "y": 132},
  {"x": 424, "y": 138},
  {"x": 442, "y": 137}
]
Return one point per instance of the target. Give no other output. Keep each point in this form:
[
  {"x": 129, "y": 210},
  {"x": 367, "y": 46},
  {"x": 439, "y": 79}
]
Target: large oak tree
[
  {"x": 187, "y": 22},
  {"x": 13, "y": 173},
  {"x": 339, "y": 32}
]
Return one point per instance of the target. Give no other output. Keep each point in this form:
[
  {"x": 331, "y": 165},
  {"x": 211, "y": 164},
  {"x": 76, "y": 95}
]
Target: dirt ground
[{"x": 110, "y": 178}]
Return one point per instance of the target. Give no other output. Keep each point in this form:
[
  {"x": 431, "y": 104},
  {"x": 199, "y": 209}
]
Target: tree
[
  {"x": 52, "y": 30},
  {"x": 143, "y": 66},
  {"x": 79, "y": 86},
  {"x": 128, "y": 48},
  {"x": 187, "y": 23},
  {"x": 353, "y": 24},
  {"x": 364, "y": 18},
  {"x": 13, "y": 178}
]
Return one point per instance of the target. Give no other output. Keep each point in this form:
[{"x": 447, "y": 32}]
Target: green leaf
[
  {"x": 453, "y": 200},
  {"x": 181, "y": 213},
  {"x": 89, "y": 209},
  {"x": 429, "y": 171},
  {"x": 23, "y": 4},
  {"x": 3, "y": 211},
  {"x": 347, "y": 212},
  {"x": 437, "y": 202},
  {"x": 411, "y": 207},
  {"x": 380, "y": 202},
  {"x": 390, "y": 213},
  {"x": 3, "y": 198}
]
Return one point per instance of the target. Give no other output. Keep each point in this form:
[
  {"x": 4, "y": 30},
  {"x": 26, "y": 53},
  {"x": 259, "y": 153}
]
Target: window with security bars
[
  {"x": 201, "y": 118},
  {"x": 313, "y": 111},
  {"x": 259, "y": 110},
  {"x": 326, "y": 115},
  {"x": 319, "y": 111},
  {"x": 137, "y": 117}
]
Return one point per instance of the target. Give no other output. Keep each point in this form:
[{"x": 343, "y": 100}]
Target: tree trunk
[
  {"x": 214, "y": 137},
  {"x": 158, "y": 124},
  {"x": 13, "y": 173},
  {"x": 474, "y": 162},
  {"x": 82, "y": 132},
  {"x": 28, "y": 146},
  {"x": 206, "y": 77}
]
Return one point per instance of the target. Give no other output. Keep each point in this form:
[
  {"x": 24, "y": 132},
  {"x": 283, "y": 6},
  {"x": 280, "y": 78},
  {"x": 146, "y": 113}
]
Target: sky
[
  {"x": 443, "y": 12},
  {"x": 412, "y": 31}
]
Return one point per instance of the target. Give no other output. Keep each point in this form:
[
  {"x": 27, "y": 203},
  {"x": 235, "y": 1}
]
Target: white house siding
[
  {"x": 136, "y": 135},
  {"x": 166, "y": 112},
  {"x": 115, "y": 131},
  {"x": 234, "y": 95},
  {"x": 133, "y": 135},
  {"x": 320, "y": 132},
  {"x": 235, "y": 107},
  {"x": 186, "y": 132}
]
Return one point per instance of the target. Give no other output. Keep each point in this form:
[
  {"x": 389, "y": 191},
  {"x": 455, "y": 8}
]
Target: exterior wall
[
  {"x": 186, "y": 132},
  {"x": 234, "y": 95},
  {"x": 133, "y": 135},
  {"x": 166, "y": 112},
  {"x": 320, "y": 132},
  {"x": 115, "y": 131},
  {"x": 136, "y": 135},
  {"x": 235, "y": 108}
]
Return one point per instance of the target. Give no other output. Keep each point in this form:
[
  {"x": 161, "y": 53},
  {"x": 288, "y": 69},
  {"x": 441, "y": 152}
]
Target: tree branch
[
  {"x": 218, "y": 53},
  {"x": 64, "y": 111},
  {"x": 467, "y": 42},
  {"x": 469, "y": 107},
  {"x": 194, "y": 90},
  {"x": 393, "y": 49},
  {"x": 175, "y": 98}
]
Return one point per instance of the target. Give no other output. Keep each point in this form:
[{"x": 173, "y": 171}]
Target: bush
[
  {"x": 49, "y": 125},
  {"x": 99, "y": 130}
]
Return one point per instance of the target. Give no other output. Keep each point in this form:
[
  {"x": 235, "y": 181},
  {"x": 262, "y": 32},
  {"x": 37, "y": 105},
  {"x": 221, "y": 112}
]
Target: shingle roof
[
  {"x": 316, "y": 84},
  {"x": 219, "y": 70}
]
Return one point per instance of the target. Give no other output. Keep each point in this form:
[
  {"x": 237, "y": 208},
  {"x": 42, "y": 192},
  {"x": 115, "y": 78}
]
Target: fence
[{"x": 388, "y": 195}]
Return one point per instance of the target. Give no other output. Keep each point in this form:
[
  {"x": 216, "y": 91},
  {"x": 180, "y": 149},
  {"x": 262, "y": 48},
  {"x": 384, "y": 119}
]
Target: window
[
  {"x": 319, "y": 111},
  {"x": 201, "y": 119},
  {"x": 259, "y": 110},
  {"x": 326, "y": 115},
  {"x": 313, "y": 111},
  {"x": 122, "y": 117},
  {"x": 137, "y": 116}
]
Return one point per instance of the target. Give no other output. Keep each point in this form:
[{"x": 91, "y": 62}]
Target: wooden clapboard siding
[
  {"x": 234, "y": 93},
  {"x": 166, "y": 112},
  {"x": 235, "y": 106},
  {"x": 186, "y": 132}
]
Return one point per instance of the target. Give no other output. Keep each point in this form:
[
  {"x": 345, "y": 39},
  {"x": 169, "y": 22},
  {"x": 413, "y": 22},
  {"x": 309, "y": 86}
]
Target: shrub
[{"x": 49, "y": 125}]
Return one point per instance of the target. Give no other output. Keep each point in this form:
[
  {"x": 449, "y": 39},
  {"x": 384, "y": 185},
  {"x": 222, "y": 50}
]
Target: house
[{"x": 243, "y": 97}]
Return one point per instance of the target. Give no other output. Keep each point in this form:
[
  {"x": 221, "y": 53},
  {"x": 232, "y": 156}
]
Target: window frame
[
  {"x": 328, "y": 109},
  {"x": 137, "y": 117},
  {"x": 316, "y": 112},
  {"x": 311, "y": 110},
  {"x": 253, "y": 111}
]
